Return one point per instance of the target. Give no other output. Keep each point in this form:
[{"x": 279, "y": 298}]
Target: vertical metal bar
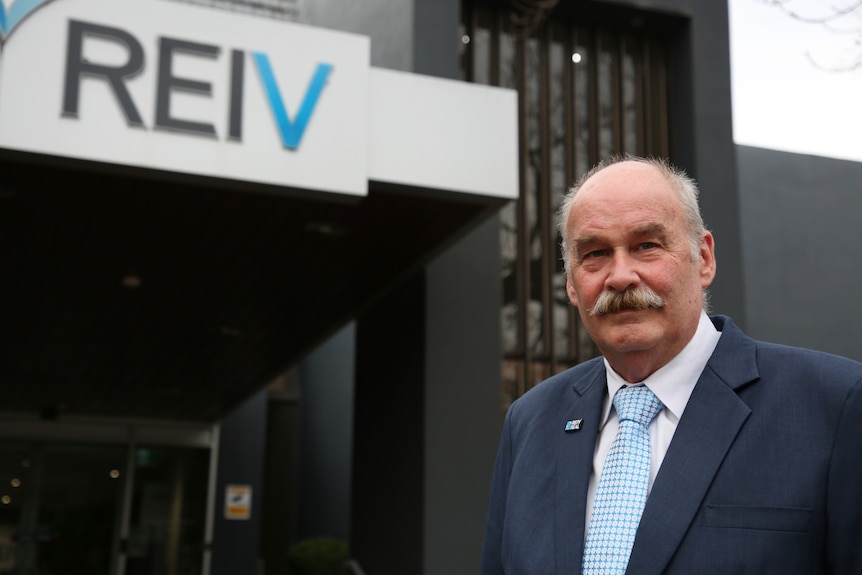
[
  {"x": 523, "y": 270},
  {"x": 572, "y": 144},
  {"x": 128, "y": 496},
  {"x": 496, "y": 33},
  {"x": 646, "y": 88},
  {"x": 663, "y": 109},
  {"x": 593, "y": 143},
  {"x": 212, "y": 486},
  {"x": 173, "y": 536},
  {"x": 468, "y": 59},
  {"x": 617, "y": 94},
  {"x": 545, "y": 202},
  {"x": 640, "y": 95},
  {"x": 593, "y": 99},
  {"x": 568, "y": 170}
]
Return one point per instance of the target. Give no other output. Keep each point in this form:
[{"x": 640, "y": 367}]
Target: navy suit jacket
[{"x": 763, "y": 476}]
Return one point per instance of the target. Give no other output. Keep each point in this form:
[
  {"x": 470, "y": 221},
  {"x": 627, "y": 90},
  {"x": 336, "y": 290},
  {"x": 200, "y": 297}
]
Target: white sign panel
[
  {"x": 443, "y": 135},
  {"x": 237, "y": 502},
  {"x": 172, "y": 87}
]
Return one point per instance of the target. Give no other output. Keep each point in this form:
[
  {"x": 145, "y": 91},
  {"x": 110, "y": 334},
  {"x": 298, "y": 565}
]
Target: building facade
[{"x": 205, "y": 370}]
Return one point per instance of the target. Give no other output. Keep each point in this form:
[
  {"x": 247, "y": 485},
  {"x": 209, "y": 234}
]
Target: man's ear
[
  {"x": 570, "y": 290},
  {"x": 707, "y": 255}
]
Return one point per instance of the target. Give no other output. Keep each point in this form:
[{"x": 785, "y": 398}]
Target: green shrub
[{"x": 318, "y": 556}]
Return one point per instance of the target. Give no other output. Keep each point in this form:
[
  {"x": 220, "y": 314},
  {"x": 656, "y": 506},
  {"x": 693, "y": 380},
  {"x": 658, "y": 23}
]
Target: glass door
[
  {"x": 166, "y": 532},
  {"x": 84, "y": 509},
  {"x": 59, "y": 507}
]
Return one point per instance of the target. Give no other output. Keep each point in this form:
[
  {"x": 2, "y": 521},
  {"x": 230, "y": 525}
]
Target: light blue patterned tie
[{"x": 622, "y": 489}]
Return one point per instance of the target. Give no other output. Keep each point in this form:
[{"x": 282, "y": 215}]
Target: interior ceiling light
[
  {"x": 324, "y": 228},
  {"x": 131, "y": 281}
]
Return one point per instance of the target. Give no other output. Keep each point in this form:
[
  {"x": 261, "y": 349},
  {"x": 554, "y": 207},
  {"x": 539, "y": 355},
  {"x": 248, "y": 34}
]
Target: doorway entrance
[{"x": 87, "y": 508}]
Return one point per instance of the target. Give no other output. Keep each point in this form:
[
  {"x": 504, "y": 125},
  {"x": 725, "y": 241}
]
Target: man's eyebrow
[
  {"x": 648, "y": 229},
  {"x": 651, "y": 229},
  {"x": 579, "y": 242}
]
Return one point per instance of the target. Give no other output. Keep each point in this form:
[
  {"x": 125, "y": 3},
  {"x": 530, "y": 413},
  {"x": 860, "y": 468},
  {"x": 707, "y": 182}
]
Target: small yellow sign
[{"x": 237, "y": 502}]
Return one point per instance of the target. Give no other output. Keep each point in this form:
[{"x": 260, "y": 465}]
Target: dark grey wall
[
  {"x": 435, "y": 37},
  {"x": 326, "y": 453},
  {"x": 427, "y": 414},
  {"x": 389, "y": 24},
  {"x": 242, "y": 441},
  {"x": 802, "y": 242},
  {"x": 462, "y": 398}
]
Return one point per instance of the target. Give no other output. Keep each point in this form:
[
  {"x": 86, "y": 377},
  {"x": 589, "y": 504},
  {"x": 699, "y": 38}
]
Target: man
[{"x": 754, "y": 460}]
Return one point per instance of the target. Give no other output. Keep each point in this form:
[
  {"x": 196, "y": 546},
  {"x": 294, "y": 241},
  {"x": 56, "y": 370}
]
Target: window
[{"x": 585, "y": 92}]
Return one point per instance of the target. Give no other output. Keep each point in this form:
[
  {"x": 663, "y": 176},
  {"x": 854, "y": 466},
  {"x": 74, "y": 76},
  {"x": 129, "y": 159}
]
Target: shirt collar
[{"x": 674, "y": 381}]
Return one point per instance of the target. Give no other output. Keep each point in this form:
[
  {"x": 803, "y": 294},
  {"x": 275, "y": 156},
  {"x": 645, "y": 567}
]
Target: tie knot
[{"x": 636, "y": 403}]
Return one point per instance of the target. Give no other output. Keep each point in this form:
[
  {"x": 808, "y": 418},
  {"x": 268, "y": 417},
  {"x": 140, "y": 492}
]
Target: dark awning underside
[{"x": 133, "y": 295}]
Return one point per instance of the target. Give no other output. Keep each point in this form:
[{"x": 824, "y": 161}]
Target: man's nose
[{"x": 623, "y": 273}]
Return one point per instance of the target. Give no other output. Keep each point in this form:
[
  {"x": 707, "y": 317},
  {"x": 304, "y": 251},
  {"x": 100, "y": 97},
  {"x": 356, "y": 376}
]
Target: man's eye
[
  {"x": 595, "y": 254},
  {"x": 647, "y": 245}
]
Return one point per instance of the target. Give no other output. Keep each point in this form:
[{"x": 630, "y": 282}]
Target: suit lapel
[
  {"x": 706, "y": 431},
  {"x": 574, "y": 464}
]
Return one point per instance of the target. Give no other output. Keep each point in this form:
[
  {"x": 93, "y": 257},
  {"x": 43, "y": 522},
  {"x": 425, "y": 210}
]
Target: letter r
[{"x": 77, "y": 66}]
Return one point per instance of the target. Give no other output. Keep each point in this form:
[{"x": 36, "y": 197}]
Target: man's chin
[{"x": 629, "y": 333}]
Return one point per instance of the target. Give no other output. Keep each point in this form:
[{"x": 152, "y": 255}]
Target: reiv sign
[
  {"x": 79, "y": 68},
  {"x": 197, "y": 90}
]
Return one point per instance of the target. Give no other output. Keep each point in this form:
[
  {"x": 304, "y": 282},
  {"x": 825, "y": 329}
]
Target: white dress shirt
[{"x": 672, "y": 384}]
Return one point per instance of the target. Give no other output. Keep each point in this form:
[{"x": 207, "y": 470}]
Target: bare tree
[{"x": 843, "y": 18}]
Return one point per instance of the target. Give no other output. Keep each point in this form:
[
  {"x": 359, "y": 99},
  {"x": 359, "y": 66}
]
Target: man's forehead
[
  {"x": 623, "y": 178},
  {"x": 643, "y": 196}
]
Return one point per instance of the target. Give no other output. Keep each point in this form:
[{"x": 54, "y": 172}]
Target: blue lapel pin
[{"x": 573, "y": 425}]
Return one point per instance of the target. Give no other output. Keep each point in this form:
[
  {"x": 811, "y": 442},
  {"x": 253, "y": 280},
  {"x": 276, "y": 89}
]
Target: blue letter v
[{"x": 291, "y": 132}]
